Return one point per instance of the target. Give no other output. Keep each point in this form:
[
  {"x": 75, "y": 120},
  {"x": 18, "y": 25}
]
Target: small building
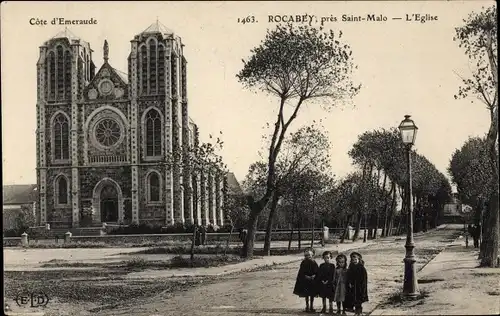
[{"x": 15, "y": 199}]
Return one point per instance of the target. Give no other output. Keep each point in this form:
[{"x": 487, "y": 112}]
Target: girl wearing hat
[
  {"x": 357, "y": 283},
  {"x": 305, "y": 285}
]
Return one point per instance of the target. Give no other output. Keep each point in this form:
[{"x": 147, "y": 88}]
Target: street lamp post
[{"x": 408, "y": 132}]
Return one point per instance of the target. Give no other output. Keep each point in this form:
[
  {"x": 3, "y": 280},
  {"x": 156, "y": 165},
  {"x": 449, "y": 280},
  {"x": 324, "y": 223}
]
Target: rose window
[{"x": 107, "y": 132}]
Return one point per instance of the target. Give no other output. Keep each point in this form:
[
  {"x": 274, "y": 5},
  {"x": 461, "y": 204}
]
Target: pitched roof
[
  {"x": 19, "y": 193},
  {"x": 158, "y": 27},
  {"x": 121, "y": 74},
  {"x": 66, "y": 33},
  {"x": 233, "y": 184}
]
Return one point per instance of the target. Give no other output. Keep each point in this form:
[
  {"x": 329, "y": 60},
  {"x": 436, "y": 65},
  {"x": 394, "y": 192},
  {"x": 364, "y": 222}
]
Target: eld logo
[{"x": 38, "y": 299}]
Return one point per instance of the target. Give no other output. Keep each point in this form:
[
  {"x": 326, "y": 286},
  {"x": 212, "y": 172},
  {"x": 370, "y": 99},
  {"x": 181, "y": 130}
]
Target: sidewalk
[
  {"x": 246, "y": 265},
  {"x": 453, "y": 285}
]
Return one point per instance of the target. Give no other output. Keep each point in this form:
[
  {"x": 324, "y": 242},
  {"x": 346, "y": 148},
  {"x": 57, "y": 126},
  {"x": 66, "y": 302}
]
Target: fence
[{"x": 212, "y": 238}]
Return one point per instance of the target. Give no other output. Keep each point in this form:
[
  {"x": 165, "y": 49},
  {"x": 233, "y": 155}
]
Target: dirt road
[{"x": 269, "y": 292}]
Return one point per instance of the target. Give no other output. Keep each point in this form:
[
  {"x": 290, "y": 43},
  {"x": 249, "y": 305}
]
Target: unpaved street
[{"x": 269, "y": 292}]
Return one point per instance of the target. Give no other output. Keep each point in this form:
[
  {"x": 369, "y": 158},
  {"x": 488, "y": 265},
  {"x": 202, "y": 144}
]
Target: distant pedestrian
[
  {"x": 197, "y": 240},
  {"x": 305, "y": 283},
  {"x": 476, "y": 233},
  {"x": 357, "y": 284},
  {"x": 243, "y": 235},
  {"x": 203, "y": 235},
  {"x": 340, "y": 282},
  {"x": 324, "y": 281}
]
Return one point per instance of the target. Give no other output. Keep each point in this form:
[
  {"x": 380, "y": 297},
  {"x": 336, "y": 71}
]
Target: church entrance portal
[{"x": 109, "y": 204}]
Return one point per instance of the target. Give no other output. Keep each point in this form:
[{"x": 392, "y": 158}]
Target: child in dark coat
[
  {"x": 324, "y": 280},
  {"x": 340, "y": 283},
  {"x": 305, "y": 284},
  {"x": 357, "y": 283}
]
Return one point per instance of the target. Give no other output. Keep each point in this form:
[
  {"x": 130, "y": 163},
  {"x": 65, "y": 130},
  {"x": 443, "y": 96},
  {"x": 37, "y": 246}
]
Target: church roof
[
  {"x": 158, "y": 27},
  {"x": 121, "y": 74},
  {"x": 19, "y": 194},
  {"x": 66, "y": 33},
  {"x": 233, "y": 185}
]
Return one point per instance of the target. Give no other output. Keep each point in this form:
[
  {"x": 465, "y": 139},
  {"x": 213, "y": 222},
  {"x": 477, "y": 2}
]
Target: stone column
[
  {"x": 169, "y": 190},
  {"x": 204, "y": 198},
  {"x": 134, "y": 137},
  {"x": 41, "y": 146},
  {"x": 213, "y": 202},
  {"x": 75, "y": 187},
  {"x": 198, "y": 197},
  {"x": 218, "y": 199}
]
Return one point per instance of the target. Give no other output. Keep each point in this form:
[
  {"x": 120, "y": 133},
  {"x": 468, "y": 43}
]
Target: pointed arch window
[
  {"x": 61, "y": 191},
  {"x": 67, "y": 75},
  {"x": 161, "y": 69},
  {"x": 60, "y": 137},
  {"x": 154, "y": 186},
  {"x": 51, "y": 74},
  {"x": 152, "y": 67},
  {"x": 153, "y": 133},
  {"x": 144, "y": 69}
]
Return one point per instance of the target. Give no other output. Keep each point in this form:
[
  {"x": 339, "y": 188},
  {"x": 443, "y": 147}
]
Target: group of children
[{"x": 346, "y": 285}]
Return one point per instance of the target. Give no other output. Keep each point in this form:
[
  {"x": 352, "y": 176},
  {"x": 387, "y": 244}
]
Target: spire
[{"x": 106, "y": 51}]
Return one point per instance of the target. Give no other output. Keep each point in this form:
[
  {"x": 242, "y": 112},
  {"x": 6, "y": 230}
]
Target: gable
[{"x": 108, "y": 84}]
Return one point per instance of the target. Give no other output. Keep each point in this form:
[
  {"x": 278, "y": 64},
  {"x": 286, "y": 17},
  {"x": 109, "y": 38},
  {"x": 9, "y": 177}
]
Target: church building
[{"x": 114, "y": 147}]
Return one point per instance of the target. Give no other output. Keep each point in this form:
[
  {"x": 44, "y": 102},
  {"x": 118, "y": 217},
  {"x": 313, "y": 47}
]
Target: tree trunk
[
  {"x": 229, "y": 238},
  {"x": 386, "y": 204},
  {"x": 247, "y": 251},
  {"x": 300, "y": 235},
  {"x": 345, "y": 233},
  {"x": 270, "y": 221},
  {"x": 358, "y": 227},
  {"x": 191, "y": 257},
  {"x": 290, "y": 239},
  {"x": 392, "y": 211},
  {"x": 361, "y": 207}
]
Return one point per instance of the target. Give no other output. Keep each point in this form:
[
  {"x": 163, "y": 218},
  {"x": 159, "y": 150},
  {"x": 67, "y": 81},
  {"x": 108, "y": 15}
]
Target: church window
[
  {"x": 51, "y": 65},
  {"x": 144, "y": 69},
  {"x": 107, "y": 132},
  {"x": 61, "y": 137},
  {"x": 154, "y": 187},
  {"x": 153, "y": 133},
  {"x": 67, "y": 75},
  {"x": 152, "y": 66},
  {"x": 173, "y": 71},
  {"x": 60, "y": 72},
  {"x": 161, "y": 69},
  {"x": 61, "y": 189}
]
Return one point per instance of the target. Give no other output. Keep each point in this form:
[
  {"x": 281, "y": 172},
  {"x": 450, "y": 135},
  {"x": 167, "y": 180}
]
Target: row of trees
[
  {"x": 474, "y": 168},
  {"x": 305, "y": 183}
]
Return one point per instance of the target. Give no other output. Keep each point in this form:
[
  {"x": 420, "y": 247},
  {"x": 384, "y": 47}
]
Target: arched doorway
[{"x": 109, "y": 204}]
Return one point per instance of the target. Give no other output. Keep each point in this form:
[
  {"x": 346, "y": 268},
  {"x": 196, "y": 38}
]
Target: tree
[
  {"x": 304, "y": 151},
  {"x": 478, "y": 37},
  {"x": 298, "y": 65}
]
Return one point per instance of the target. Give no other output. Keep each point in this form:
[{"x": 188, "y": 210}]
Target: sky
[{"x": 404, "y": 67}]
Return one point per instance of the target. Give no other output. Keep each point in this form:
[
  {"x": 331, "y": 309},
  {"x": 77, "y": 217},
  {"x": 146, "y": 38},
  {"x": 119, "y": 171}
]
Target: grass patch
[
  {"x": 493, "y": 293},
  {"x": 398, "y": 299},
  {"x": 65, "y": 264},
  {"x": 425, "y": 281},
  {"x": 110, "y": 290},
  {"x": 203, "y": 262}
]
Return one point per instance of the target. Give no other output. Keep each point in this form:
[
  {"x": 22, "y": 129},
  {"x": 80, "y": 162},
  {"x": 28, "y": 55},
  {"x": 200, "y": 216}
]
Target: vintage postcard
[{"x": 250, "y": 158}]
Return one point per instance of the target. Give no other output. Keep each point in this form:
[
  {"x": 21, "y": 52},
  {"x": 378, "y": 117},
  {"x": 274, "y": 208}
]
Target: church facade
[{"x": 114, "y": 147}]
